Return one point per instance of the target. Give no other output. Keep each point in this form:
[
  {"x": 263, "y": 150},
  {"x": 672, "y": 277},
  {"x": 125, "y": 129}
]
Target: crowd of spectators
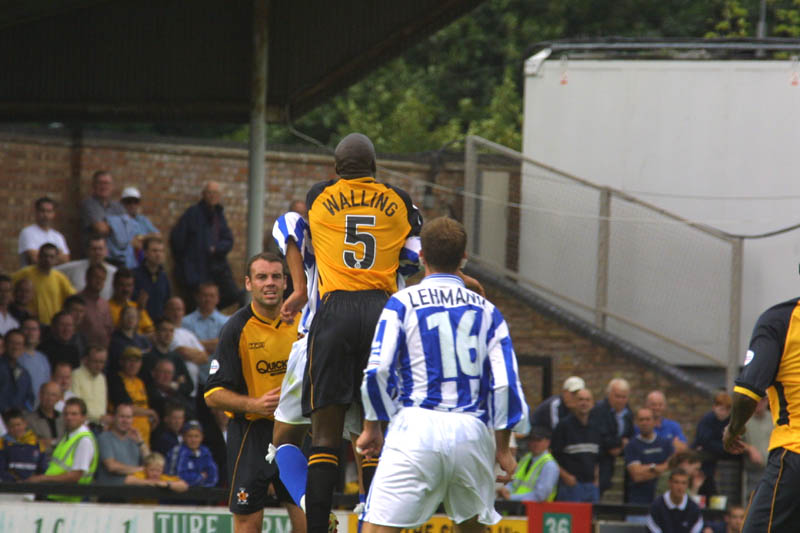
[
  {"x": 98, "y": 364},
  {"x": 574, "y": 445},
  {"x": 101, "y": 349}
]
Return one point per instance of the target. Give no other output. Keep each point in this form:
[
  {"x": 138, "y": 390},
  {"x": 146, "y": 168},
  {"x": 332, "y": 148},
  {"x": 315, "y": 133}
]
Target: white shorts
[
  {"x": 429, "y": 458},
  {"x": 290, "y": 408}
]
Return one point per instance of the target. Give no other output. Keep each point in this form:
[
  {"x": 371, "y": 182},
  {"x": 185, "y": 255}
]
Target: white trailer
[{"x": 712, "y": 141}]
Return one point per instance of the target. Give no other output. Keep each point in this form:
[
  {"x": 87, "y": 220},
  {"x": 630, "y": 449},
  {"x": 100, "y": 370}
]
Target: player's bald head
[{"x": 355, "y": 156}]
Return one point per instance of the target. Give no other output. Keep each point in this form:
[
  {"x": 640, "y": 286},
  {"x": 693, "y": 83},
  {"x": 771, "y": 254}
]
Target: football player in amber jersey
[
  {"x": 772, "y": 368},
  {"x": 358, "y": 227},
  {"x": 244, "y": 380}
]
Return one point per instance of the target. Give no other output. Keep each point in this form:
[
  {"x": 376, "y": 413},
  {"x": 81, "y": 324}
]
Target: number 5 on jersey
[{"x": 353, "y": 235}]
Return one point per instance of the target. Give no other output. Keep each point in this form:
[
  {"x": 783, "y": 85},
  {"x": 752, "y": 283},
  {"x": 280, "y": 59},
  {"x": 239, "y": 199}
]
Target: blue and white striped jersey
[
  {"x": 440, "y": 346},
  {"x": 293, "y": 228}
]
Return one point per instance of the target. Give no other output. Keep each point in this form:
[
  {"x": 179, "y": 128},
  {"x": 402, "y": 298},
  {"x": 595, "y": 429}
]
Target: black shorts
[
  {"x": 339, "y": 342},
  {"x": 775, "y": 504},
  {"x": 250, "y": 473}
]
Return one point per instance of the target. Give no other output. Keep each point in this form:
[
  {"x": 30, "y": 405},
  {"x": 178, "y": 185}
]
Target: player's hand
[
  {"x": 266, "y": 404},
  {"x": 370, "y": 442},
  {"x": 293, "y": 304},
  {"x": 732, "y": 443},
  {"x": 507, "y": 462}
]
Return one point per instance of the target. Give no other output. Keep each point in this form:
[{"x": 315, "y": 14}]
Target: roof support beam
[{"x": 258, "y": 129}]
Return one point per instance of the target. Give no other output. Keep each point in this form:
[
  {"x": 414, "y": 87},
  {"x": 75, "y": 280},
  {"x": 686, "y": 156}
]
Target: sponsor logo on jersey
[
  {"x": 749, "y": 357},
  {"x": 255, "y": 345},
  {"x": 214, "y": 367},
  {"x": 272, "y": 368}
]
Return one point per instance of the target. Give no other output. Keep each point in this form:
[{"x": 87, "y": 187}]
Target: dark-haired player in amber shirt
[{"x": 245, "y": 380}]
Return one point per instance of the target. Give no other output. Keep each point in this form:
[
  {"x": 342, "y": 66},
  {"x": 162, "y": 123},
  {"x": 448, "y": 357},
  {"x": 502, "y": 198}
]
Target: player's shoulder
[
  {"x": 237, "y": 321},
  {"x": 316, "y": 190},
  {"x": 780, "y": 312}
]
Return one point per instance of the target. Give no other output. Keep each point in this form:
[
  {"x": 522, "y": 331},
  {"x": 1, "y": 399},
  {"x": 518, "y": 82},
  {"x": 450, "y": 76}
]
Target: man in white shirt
[
  {"x": 184, "y": 341},
  {"x": 76, "y": 270},
  {"x": 33, "y": 236}
]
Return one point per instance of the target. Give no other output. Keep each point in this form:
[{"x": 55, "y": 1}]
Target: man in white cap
[
  {"x": 556, "y": 407},
  {"x": 129, "y": 230}
]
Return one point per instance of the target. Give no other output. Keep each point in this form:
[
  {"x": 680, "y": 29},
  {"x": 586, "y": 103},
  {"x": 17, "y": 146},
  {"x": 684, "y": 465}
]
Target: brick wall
[
  {"x": 171, "y": 173},
  {"x": 170, "y": 176},
  {"x": 571, "y": 354}
]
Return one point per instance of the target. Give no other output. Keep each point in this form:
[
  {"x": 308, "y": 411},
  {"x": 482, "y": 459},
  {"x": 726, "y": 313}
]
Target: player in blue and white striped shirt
[{"x": 443, "y": 370}]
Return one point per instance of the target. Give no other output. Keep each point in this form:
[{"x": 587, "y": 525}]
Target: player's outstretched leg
[{"x": 323, "y": 465}]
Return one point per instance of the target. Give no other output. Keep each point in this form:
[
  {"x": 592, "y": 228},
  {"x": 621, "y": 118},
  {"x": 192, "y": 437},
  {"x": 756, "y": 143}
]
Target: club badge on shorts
[{"x": 242, "y": 496}]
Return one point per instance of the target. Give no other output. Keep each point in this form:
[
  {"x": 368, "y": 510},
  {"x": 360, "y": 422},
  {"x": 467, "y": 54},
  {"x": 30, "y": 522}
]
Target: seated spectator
[
  {"x": 125, "y": 335},
  {"x": 614, "y": 420},
  {"x": 675, "y": 512},
  {"x": 7, "y": 320},
  {"x": 34, "y": 361},
  {"x": 32, "y": 237},
  {"x": 536, "y": 478},
  {"x": 665, "y": 427},
  {"x": 576, "y": 447},
  {"x": 184, "y": 342},
  {"x": 50, "y": 286},
  {"x": 168, "y": 434},
  {"x": 164, "y": 389},
  {"x": 646, "y": 458},
  {"x": 46, "y": 421},
  {"x": 15, "y": 383},
  {"x": 733, "y": 521},
  {"x": 123, "y": 290},
  {"x": 553, "y": 409},
  {"x": 191, "y": 461},
  {"x": 151, "y": 277},
  {"x": 22, "y": 305},
  {"x": 121, "y": 448},
  {"x": 75, "y": 457},
  {"x": 58, "y": 345},
  {"x": 89, "y": 383},
  {"x": 97, "y": 325},
  {"x": 75, "y": 306},
  {"x": 62, "y": 375},
  {"x": 152, "y": 475},
  {"x": 76, "y": 270},
  {"x": 206, "y": 322},
  {"x": 97, "y": 207},
  {"x": 160, "y": 349},
  {"x": 128, "y": 230},
  {"x": 22, "y": 454},
  {"x": 126, "y": 387},
  {"x": 689, "y": 462},
  {"x": 708, "y": 441}
]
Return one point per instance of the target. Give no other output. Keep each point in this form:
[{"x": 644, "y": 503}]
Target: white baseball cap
[
  {"x": 574, "y": 384},
  {"x": 131, "y": 192}
]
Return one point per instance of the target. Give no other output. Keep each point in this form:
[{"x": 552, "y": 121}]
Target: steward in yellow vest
[
  {"x": 76, "y": 455},
  {"x": 536, "y": 477}
]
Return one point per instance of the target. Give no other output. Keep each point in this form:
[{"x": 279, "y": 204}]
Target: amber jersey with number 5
[{"x": 358, "y": 227}]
